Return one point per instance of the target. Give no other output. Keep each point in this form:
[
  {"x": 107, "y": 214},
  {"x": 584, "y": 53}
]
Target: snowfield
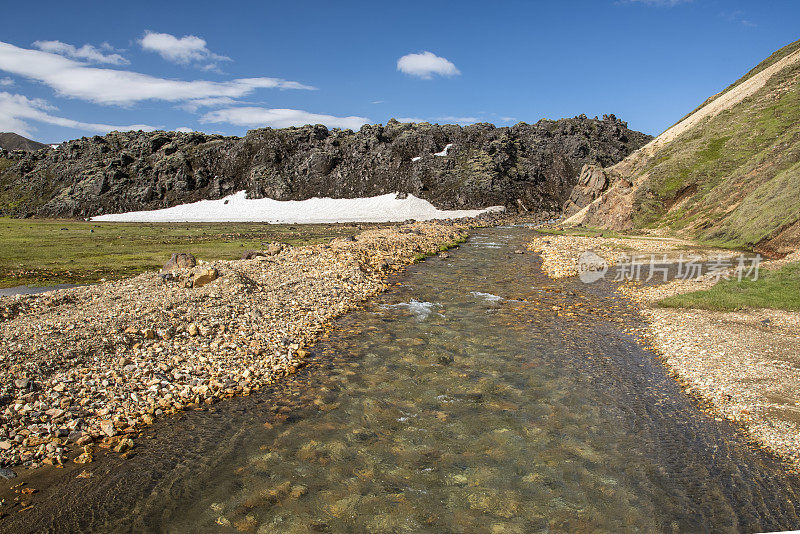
[{"x": 238, "y": 208}]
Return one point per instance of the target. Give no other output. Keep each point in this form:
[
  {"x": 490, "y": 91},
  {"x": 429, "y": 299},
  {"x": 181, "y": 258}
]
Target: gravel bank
[
  {"x": 91, "y": 366},
  {"x": 746, "y": 364},
  {"x": 561, "y": 253}
]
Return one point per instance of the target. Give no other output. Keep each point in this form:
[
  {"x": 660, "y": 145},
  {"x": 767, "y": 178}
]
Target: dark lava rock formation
[{"x": 527, "y": 166}]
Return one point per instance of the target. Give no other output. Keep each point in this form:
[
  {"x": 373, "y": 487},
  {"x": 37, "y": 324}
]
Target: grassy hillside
[
  {"x": 771, "y": 60},
  {"x": 731, "y": 180},
  {"x": 734, "y": 179}
]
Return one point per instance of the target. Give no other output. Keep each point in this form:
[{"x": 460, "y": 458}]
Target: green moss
[
  {"x": 453, "y": 244},
  {"x": 774, "y": 289}
]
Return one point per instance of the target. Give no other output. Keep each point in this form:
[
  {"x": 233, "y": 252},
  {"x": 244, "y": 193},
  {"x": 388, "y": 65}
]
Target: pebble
[{"x": 108, "y": 428}]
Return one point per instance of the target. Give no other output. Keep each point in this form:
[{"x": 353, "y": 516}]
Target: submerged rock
[{"x": 7, "y": 473}]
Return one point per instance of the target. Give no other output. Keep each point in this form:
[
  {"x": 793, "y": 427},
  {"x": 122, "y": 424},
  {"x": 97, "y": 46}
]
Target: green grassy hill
[{"x": 732, "y": 179}]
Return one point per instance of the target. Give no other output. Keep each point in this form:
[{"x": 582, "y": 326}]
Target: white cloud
[
  {"x": 213, "y": 101},
  {"x": 459, "y": 120},
  {"x": 425, "y": 65},
  {"x": 87, "y": 52},
  {"x": 184, "y": 129},
  {"x": 111, "y": 86},
  {"x": 185, "y": 50},
  {"x": 17, "y": 110},
  {"x": 411, "y": 119},
  {"x": 6, "y": 82},
  {"x": 738, "y": 16},
  {"x": 279, "y": 118}
]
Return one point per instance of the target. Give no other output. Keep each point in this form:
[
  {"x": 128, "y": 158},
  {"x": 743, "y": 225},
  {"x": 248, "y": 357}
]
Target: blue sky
[{"x": 229, "y": 67}]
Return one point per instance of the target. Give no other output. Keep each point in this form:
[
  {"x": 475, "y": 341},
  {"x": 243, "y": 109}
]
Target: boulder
[
  {"x": 124, "y": 445},
  {"x": 204, "y": 276},
  {"x": 22, "y": 383},
  {"x": 252, "y": 254},
  {"x": 107, "y": 427},
  {"x": 274, "y": 249},
  {"x": 592, "y": 182},
  {"x": 179, "y": 260}
]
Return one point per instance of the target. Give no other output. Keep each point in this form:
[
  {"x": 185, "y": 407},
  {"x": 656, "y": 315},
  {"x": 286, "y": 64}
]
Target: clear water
[{"x": 477, "y": 396}]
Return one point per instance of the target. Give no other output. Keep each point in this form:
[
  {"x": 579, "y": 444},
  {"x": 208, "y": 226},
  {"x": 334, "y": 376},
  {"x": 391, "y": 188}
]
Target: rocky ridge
[{"x": 523, "y": 167}]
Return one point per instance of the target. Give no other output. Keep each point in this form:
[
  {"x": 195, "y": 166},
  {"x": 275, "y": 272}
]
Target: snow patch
[
  {"x": 239, "y": 208},
  {"x": 416, "y": 158},
  {"x": 445, "y": 151}
]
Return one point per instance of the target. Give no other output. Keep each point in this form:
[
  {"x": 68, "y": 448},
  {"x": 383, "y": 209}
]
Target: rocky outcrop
[
  {"x": 526, "y": 167},
  {"x": 592, "y": 181},
  {"x": 179, "y": 260}
]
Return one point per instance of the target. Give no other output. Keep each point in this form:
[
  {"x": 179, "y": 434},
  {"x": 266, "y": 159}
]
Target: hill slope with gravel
[
  {"x": 727, "y": 173},
  {"x": 11, "y": 141}
]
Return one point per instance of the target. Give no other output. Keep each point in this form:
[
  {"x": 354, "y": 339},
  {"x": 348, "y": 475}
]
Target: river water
[{"x": 475, "y": 396}]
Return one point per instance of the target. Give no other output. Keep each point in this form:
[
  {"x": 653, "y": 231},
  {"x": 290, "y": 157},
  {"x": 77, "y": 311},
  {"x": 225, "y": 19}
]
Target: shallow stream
[
  {"x": 476, "y": 396},
  {"x": 31, "y": 290}
]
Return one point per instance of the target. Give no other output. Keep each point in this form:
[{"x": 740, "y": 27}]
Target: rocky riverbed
[
  {"x": 92, "y": 366},
  {"x": 744, "y": 364}
]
